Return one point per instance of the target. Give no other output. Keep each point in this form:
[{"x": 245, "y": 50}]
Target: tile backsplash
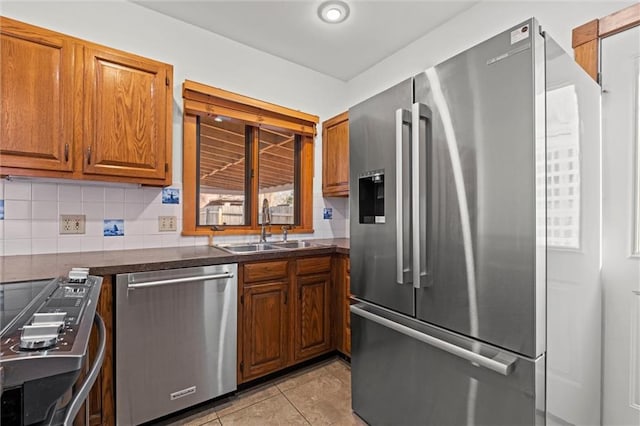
[{"x": 32, "y": 212}]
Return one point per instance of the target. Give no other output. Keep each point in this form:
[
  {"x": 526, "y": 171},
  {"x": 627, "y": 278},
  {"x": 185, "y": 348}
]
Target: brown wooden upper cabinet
[
  {"x": 127, "y": 99},
  {"x": 74, "y": 109},
  {"x": 335, "y": 156},
  {"x": 36, "y": 92}
]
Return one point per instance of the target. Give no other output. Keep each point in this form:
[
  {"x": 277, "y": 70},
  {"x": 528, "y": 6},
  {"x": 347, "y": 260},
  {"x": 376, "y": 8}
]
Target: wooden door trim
[
  {"x": 586, "y": 38},
  {"x": 619, "y": 21}
]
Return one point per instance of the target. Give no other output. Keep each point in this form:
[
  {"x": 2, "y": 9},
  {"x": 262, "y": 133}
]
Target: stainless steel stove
[{"x": 45, "y": 328}]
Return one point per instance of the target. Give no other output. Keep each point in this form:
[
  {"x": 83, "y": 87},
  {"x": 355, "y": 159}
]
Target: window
[
  {"x": 225, "y": 147},
  {"x": 244, "y": 160},
  {"x": 222, "y": 174},
  {"x": 563, "y": 151},
  {"x": 277, "y": 165}
]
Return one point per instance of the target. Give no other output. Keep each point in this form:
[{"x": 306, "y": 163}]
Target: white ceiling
[{"x": 292, "y": 30}]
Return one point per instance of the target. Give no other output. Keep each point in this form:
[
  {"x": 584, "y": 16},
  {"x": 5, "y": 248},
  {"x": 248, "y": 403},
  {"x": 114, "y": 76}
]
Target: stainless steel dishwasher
[{"x": 175, "y": 340}]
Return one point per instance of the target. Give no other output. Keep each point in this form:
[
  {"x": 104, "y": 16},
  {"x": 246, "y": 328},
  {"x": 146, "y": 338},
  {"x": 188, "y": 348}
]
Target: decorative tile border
[
  {"x": 170, "y": 196},
  {"x": 113, "y": 227}
]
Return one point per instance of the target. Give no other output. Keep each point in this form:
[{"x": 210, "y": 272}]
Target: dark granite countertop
[{"x": 42, "y": 266}]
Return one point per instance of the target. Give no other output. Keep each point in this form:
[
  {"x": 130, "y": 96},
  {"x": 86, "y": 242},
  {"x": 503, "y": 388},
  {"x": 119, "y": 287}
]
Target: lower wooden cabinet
[
  {"x": 284, "y": 314},
  {"x": 265, "y": 318},
  {"x": 312, "y": 320},
  {"x": 347, "y": 303},
  {"x": 342, "y": 325},
  {"x": 101, "y": 397}
]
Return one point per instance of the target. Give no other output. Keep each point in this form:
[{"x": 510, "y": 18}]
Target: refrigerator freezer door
[
  {"x": 480, "y": 191},
  {"x": 380, "y": 194},
  {"x": 399, "y": 379}
]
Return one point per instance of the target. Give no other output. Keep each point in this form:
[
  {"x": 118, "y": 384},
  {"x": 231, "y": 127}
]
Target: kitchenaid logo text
[{"x": 183, "y": 392}]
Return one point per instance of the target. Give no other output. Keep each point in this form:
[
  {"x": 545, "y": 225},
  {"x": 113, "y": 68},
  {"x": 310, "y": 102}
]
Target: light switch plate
[
  {"x": 167, "y": 223},
  {"x": 72, "y": 224}
]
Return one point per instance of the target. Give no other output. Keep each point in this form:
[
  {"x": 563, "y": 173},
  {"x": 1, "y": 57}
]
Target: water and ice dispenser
[{"x": 371, "y": 196}]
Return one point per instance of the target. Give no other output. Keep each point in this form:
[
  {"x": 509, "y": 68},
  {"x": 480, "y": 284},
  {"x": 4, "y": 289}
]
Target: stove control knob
[
  {"x": 78, "y": 275},
  {"x": 48, "y": 317},
  {"x": 39, "y": 336}
]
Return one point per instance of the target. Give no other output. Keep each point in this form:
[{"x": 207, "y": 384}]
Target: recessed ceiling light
[{"x": 333, "y": 12}]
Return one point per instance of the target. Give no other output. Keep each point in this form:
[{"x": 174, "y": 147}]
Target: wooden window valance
[{"x": 202, "y": 99}]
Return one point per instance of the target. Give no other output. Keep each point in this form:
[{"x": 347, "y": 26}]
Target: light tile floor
[{"x": 316, "y": 395}]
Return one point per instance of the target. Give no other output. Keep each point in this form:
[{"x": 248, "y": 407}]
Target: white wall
[
  {"x": 474, "y": 25},
  {"x": 196, "y": 55}
]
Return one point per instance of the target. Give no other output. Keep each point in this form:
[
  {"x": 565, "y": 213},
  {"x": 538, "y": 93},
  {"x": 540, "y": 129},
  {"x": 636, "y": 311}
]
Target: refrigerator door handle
[
  {"x": 501, "y": 363},
  {"x": 419, "y": 112},
  {"x": 403, "y": 117}
]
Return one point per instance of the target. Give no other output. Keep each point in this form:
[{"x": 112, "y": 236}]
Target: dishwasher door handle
[{"x": 146, "y": 284}]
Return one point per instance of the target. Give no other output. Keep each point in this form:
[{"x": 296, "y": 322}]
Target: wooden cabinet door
[
  {"x": 265, "y": 334},
  {"x": 125, "y": 115},
  {"x": 343, "y": 314},
  {"x": 335, "y": 156},
  {"x": 312, "y": 325},
  {"x": 36, "y": 97}
]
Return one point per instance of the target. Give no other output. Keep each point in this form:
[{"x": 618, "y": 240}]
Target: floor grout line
[
  {"x": 320, "y": 366},
  {"x": 296, "y": 408},
  {"x": 247, "y": 406}
]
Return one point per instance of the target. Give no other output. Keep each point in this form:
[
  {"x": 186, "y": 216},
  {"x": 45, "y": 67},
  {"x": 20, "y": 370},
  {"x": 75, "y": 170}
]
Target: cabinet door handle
[
  {"x": 66, "y": 152},
  {"x": 89, "y": 155}
]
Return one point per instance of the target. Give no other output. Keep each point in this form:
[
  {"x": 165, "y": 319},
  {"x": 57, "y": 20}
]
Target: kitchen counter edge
[{"x": 44, "y": 266}]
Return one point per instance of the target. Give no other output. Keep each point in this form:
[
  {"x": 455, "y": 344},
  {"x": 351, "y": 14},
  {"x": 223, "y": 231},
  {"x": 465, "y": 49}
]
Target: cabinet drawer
[
  {"x": 265, "y": 271},
  {"x": 313, "y": 265}
]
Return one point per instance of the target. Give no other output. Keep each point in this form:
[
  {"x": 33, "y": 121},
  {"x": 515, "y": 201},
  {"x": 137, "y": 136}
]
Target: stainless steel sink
[
  {"x": 248, "y": 248},
  {"x": 296, "y": 244},
  {"x": 269, "y": 246}
]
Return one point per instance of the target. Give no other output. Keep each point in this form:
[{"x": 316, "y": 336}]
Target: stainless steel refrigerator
[{"x": 475, "y": 230}]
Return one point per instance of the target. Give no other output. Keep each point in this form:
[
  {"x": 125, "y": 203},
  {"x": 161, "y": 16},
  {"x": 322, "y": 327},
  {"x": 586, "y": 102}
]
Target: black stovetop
[{"x": 14, "y": 297}]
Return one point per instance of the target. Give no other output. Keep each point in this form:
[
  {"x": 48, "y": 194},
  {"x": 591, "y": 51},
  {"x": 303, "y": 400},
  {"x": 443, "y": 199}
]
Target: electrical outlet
[
  {"x": 167, "y": 223},
  {"x": 72, "y": 223}
]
